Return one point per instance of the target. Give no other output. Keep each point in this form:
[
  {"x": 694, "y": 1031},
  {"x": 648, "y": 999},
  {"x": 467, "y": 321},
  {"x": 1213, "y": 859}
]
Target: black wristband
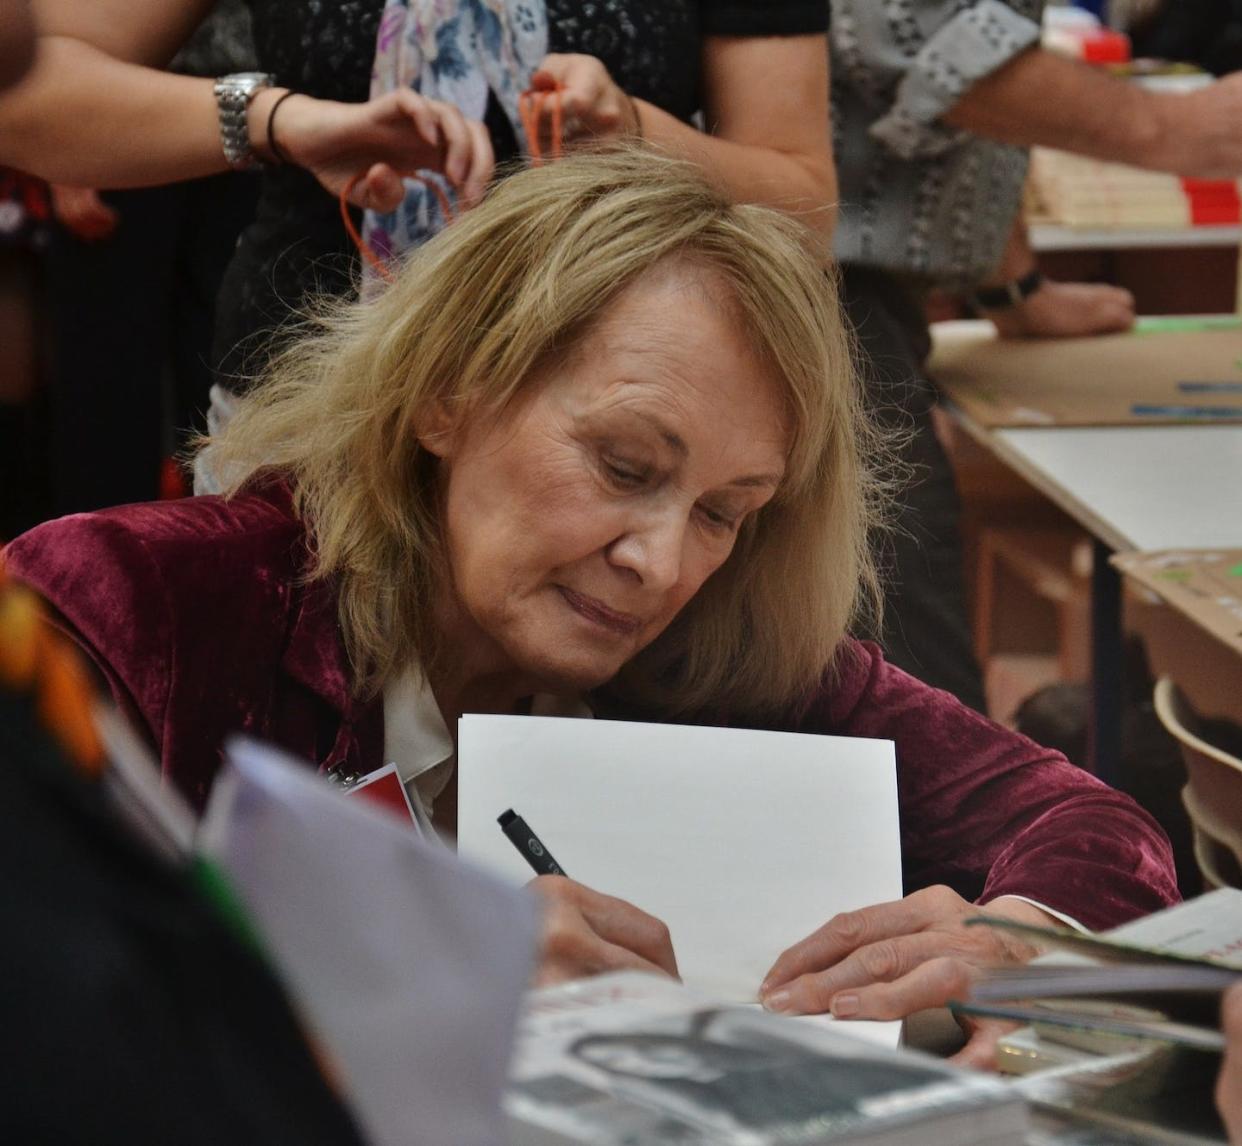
[
  {"x": 638, "y": 119},
  {"x": 1011, "y": 294},
  {"x": 272, "y": 146}
]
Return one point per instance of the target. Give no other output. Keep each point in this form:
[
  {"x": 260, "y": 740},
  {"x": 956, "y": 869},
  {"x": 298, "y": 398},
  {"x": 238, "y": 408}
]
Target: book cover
[{"x": 631, "y": 1058}]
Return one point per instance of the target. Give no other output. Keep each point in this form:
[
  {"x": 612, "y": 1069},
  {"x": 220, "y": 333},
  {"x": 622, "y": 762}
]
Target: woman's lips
[{"x": 594, "y": 610}]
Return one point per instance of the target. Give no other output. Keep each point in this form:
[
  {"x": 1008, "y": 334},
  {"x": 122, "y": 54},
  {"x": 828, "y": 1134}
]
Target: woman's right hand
[
  {"x": 586, "y": 933},
  {"x": 387, "y": 138}
]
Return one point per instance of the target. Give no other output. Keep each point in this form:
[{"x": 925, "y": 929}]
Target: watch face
[{"x": 247, "y": 80}]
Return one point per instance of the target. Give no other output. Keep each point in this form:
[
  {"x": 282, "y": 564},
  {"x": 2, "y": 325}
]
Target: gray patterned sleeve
[{"x": 972, "y": 43}]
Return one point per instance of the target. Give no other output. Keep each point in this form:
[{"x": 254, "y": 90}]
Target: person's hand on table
[
  {"x": 585, "y": 933},
  {"x": 892, "y": 959},
  {"x": 83, "y": 213},
  {"x": 592, "y": 104},
  {"x": 1067, "y": 310},
  {"x": 1229, "y": 1084},
  {"x": 388, "y": 138}
]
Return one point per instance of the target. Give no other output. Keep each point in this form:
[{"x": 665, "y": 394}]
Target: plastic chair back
[{"x": 1213, "y": 791}]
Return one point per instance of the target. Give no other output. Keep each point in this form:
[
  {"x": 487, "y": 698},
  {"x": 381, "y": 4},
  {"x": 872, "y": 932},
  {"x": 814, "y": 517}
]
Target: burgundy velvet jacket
[{"x": 198, "y": 614}]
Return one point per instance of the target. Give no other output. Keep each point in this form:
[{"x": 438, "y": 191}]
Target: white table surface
[
  {"x": 1134, "y": 487},
  {"x": 1054, "y": 237}
]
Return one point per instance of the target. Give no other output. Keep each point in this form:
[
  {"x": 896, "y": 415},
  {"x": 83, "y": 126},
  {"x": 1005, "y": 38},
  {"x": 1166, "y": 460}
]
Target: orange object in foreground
[{"x": 35, "y": 658}]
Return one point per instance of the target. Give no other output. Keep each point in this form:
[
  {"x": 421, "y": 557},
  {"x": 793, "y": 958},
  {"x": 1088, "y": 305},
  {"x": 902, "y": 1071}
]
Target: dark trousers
[
  {"x": 131, "y": 322},
  {"x": 926, "y": 629}
]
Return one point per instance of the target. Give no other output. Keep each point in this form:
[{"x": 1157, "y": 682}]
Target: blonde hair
[{"x": 472, "y": 318}]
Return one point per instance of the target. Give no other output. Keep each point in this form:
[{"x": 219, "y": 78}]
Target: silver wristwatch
[{"x": 233, "y": 96}]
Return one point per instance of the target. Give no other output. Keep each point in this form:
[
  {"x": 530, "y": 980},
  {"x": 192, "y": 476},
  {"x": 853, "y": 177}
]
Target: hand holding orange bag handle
[{"x": 531, "y": 106}]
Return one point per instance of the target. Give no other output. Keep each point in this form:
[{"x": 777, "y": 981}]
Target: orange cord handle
[
  {"x": 34, "y": 658},
  {"x": 530, "y": 108},
  {"x": 364, "y": 248}
]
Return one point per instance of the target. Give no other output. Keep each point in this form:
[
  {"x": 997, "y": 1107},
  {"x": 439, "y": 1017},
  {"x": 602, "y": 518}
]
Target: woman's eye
[
  {"x": 718, "y": 520},
  {"x": 624, "y": 474}
]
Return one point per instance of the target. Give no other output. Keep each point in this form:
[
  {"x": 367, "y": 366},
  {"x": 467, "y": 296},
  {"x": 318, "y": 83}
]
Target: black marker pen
[{"x": 529, "y": 844}]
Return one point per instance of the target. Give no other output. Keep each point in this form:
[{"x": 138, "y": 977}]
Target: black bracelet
[
  {"x": 272, "y": 146},
  {"x": 638, "y": 119},
  {"x": 1011, "y": 294}
]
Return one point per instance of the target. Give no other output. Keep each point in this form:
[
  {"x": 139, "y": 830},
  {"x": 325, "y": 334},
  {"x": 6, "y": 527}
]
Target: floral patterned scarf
[{"x": 460, "y": 52}]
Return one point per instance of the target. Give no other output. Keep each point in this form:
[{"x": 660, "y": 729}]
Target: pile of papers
[{"x": 1075, "y": 191}]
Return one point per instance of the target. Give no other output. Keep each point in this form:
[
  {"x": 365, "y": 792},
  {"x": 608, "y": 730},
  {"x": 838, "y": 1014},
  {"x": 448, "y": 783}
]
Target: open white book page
[{"x": 742, "y": 842}]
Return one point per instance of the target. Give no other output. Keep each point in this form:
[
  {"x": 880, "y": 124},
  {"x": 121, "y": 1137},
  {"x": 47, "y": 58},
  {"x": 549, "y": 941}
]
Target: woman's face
[{"x": 583, "y": 519}]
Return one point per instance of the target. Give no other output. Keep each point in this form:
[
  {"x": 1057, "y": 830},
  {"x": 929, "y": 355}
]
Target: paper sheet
[
  {"x": 406, "y": 963},
  {"x": 743, "y": 842}
]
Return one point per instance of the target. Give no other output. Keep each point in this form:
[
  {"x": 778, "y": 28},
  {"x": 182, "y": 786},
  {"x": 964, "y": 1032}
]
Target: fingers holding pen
[{"x": 587, "y": 933}]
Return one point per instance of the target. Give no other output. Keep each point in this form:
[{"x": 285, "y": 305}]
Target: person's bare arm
[
  {"x": 1055, "y": 309},
  {"x": 95, "y": 111},
  {"x": 17, "y": 41},
  {"x": 1039, "y": 98},
  {"x": 765, "y": 100},
  {"x": 92, "y": 107}
]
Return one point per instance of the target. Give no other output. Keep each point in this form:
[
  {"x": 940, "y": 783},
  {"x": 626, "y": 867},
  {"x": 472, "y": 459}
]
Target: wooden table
[{"x": 1132, "y": 488}]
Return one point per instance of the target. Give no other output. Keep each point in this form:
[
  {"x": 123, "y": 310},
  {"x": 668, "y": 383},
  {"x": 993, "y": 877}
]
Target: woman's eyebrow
[
  {"x": 678, "y": 444},
  {"x": 671, "y": 438},
  {"x": 759, "y": 480}
]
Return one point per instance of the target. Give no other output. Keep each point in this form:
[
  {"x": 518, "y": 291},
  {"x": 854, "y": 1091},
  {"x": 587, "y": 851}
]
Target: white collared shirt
[{"x": 417, "y": 740}]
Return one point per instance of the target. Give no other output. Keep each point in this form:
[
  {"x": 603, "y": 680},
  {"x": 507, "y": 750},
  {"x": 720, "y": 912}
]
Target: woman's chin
[{"x": 562, "y": 671}]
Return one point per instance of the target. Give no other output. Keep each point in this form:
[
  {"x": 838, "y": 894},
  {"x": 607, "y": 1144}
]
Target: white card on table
[{"x": 742, "y": 842}]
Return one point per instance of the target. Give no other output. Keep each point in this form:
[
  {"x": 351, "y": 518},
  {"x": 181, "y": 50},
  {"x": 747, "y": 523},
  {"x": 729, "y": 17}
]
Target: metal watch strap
[
  {"x": 233, "y": 96},
  {"x": 1010, "y": 294}
]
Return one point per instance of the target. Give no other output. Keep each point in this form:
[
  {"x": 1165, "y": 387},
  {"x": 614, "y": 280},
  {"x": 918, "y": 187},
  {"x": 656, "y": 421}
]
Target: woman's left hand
[
  {"x": 592, "y": 104},
  {"x": 890, "y": 960}
]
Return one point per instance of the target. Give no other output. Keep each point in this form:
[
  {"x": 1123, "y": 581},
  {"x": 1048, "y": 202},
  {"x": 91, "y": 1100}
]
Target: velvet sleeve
[
  {"x": 182, "y": 606},
  {"x": 989, "y": 812},
  {"x": 100, "y": 581}
]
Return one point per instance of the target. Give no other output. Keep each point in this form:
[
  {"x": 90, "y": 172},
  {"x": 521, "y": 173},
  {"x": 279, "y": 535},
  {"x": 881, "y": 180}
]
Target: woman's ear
[{"x": 436, "y": 430}]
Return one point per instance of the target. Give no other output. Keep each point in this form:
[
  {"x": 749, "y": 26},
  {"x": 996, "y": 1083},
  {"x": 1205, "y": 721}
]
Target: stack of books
[
  {"x": 1125, "y": 1028},
  {"x": 1074, "y": 191}
]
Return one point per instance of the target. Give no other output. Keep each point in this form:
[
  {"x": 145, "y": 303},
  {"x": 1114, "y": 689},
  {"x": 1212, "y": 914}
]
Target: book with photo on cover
[{"x": 632, "y": 1058}]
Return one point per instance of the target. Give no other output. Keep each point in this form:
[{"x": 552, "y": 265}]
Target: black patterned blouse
[{"x": 325, "y": 48}]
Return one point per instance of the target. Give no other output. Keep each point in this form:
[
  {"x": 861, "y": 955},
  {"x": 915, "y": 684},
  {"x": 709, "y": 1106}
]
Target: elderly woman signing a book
[{"x": 599, "y": 444}]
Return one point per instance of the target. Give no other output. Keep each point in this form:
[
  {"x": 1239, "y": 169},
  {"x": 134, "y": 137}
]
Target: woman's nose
[{"x": 653, "y": 548}]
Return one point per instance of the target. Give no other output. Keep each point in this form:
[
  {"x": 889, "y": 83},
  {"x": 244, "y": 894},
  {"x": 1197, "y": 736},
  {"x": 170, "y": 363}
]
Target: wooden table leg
[{"x": 1106, "y": 666}]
